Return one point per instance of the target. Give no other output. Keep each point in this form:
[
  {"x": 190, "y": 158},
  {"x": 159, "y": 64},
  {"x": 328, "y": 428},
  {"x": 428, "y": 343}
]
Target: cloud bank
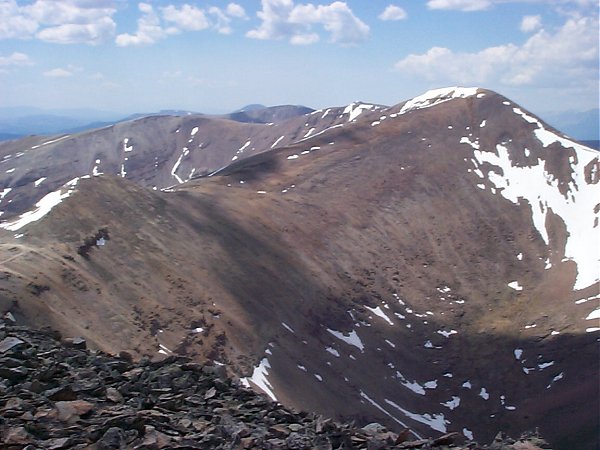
[
  {"x": 283, "y": 19},
  {"x": 60, "y": 22},
  {"x": 547, "y": 58},
  {"x": 154, "y": 25}
]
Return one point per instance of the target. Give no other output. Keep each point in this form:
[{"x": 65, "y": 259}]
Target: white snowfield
[
  {"x": 537, "y": 186},
  {"x": 437, "y": 96},
  {"x": 43, "y": 207}
]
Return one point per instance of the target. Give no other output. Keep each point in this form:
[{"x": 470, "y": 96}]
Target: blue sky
[{"x": 216, "y": 56}]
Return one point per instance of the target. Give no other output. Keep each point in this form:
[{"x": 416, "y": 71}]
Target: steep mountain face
[
  {"x": 431, "y": 265},
  {"x": 156, "y": 152}
]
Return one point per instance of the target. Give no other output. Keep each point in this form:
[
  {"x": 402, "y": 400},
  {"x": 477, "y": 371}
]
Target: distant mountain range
[
  {"x": 430, "y": 265},
  {"x": 17, "y": 122},
  {"x": 584, "y": 126}
]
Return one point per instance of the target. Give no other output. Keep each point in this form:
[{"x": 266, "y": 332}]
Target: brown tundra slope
[{"x": 431, "y": 265}]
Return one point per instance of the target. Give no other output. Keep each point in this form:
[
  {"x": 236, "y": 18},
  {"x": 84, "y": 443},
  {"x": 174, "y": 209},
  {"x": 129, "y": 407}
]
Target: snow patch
[
  {"x": 412, "y": 385},
  {"x": 558, "y": 377},
  {"x": 43, "y": 207},
  {"x": 383, "y": 410},
  {"x": 355, "y": 110},
  {"x": 309, "y": 132},
  {"x": 259, "y": 378},
  {"x": 515, "y": 285},
  {"x": 452, "y": 404},
  {"x": 333, "y": 351},
  {"x": 126, "y": 147},
  {"x": 378, "y": 312},
  {"x": 51, "y": 142},
  {"x": 351, "y": 338},
  {"x": 594, "y": 315},
  {"x": 577, "y": 302},
  {"x": 435, "y": 97},
  {"x": 430, "y": 384},
  {"x": 277, "y": 141},
  {"x": 5, "y": 192},
  {"x": 467, "y": 140},
  {"x": 323, "y": 131},
  {"x": 436, "y": 422},
  {"x": 545, "y": 365},
  {"x": 483, "y": 393},
  {"x": 445, "y": 333}
]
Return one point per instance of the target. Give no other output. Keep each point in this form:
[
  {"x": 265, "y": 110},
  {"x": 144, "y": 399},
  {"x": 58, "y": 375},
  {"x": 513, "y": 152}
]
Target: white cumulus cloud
[
  {"x": 563, "y": 6},
  {"x": 275, "y": 21},
  {"x": 304, "y": 39},
  {"x": 14, "y": 22},
  {"x": 58, "y": 73},
  {"x": 393, "y": 12},
  {"x": 188, "y": 18},
  {"x": 70, "y": 33},
  {"x": 568, "y": 55},
  {"x": 175, "y": 19},
  {"x": 235, "y": 10},
  {"x": 531, "y": 23},
  {"x": 282, "y": 19},
  {"x": 62, "y": 22},
  {"x": 461, "y": 5},
  {"x": 222, "y": 18},
  {"x": 15, "y": 59},
  {"x": 149, "y": 29}
]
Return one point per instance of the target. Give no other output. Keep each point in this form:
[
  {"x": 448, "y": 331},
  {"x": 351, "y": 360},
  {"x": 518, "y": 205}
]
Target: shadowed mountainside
[{"x": 419, "y": 266}]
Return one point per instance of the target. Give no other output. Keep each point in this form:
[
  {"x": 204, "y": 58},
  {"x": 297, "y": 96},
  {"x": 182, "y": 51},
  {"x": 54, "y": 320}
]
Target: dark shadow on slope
[
  {"x": 254, "y": 168},
  {"x": 268, "y": 280},
  {"x": 559, "y": 394}
]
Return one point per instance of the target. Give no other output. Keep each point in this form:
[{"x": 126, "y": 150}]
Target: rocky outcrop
[{"x": 58, "y": 395}]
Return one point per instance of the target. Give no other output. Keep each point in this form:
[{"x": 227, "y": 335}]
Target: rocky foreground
[{"x": 57, "y": 394}]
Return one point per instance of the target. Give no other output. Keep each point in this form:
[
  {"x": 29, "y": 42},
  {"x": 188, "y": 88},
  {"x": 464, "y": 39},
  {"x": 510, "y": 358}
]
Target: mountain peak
[
  {"x": 250, "y": 107},
  {"x": 432, "y": 269},
  {"x": 436, "y": 96}
]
